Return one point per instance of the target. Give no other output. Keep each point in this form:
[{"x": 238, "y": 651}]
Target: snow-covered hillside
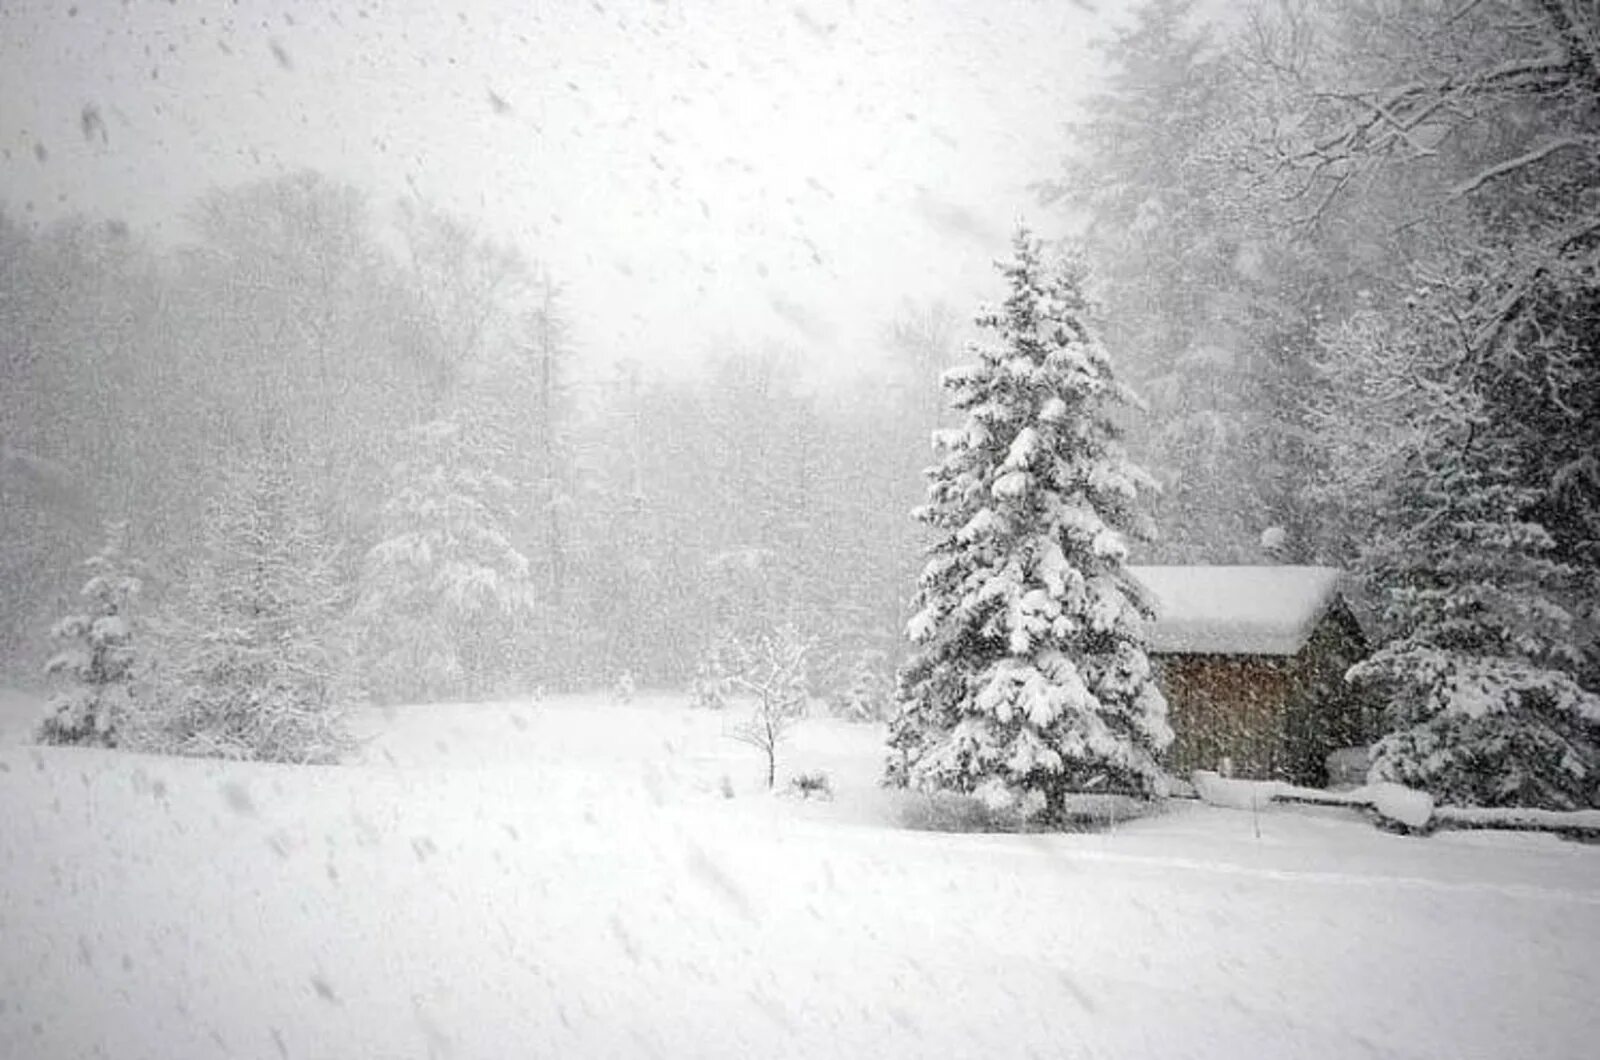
[{"x": 568, "y": 879}]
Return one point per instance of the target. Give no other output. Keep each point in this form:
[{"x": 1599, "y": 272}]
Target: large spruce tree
[{"x": 1030, "y": 679}]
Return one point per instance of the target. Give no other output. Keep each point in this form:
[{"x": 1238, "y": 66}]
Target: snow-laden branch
[
  {"x": 1522, "y": 161},
  {"x": 1394, "y": 115},
  {"x": 1515, "y": 299}
]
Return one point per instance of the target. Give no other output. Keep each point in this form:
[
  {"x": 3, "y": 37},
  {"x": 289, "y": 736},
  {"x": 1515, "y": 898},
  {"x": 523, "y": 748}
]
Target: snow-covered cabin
[{"x": 1252, "y": 661}]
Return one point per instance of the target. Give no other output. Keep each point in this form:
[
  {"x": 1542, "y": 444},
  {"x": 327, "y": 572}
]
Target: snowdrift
[{"x": 508, "y": 879}]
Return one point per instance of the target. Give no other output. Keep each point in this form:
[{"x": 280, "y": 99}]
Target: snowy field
[{"x": 568, "y": 879}]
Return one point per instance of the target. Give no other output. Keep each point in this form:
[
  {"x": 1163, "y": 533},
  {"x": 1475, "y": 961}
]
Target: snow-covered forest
[
  {"x": 332, "y": 517},
  {"x": 1346, "y": 255},
  {"x": 1357, "y": 267}
]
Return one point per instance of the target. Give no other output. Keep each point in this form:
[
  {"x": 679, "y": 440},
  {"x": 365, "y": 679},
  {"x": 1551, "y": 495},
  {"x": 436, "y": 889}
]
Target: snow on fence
[{"x": 1395, "y": 805}]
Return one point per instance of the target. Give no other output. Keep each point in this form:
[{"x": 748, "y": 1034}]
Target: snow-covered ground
[{"x": 567, "y": 879}]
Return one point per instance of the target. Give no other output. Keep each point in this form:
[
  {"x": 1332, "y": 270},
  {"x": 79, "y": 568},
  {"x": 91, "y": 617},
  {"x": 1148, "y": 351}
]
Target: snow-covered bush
[
  {"x": 771, "y": 669},
  {"x": 623, "y": 688},
  {"x": 1030, "y": 675},
  {"x": 445, "y": 598},
  {"x": 812, "y": 785},
  {"x": 251, "y": 664},
  {"x": 100, "y": 657}
]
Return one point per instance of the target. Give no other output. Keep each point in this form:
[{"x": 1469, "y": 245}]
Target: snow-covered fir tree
[
  {"x": 446, "y": 600},
  {"x": 1478, "y": 679},
  {"x": 99, "y": 659},
  {"x": 251, "y": 664},
  {"x": 1483, "y": 632},
  {"x": 1030, "y": 679}
]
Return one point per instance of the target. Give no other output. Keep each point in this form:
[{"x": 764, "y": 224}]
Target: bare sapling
[{"x": 771, "y": 670}]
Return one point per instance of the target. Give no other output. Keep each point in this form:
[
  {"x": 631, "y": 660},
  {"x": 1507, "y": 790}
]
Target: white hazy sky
[{"x": 689, "y": 170}]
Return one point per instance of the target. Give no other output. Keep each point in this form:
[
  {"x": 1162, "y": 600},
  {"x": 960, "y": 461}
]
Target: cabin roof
[{"x": 1236, "y": 610}]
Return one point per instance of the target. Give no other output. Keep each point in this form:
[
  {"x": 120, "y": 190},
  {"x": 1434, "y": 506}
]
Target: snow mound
[
  {"x": 1393, "y": 802},
  {"x": 1216, "y": 790},
  {"x": 1414, "y": 809}
]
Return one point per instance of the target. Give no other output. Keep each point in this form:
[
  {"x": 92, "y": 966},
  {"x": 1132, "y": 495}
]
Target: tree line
[{"x": 496, "y": 510}]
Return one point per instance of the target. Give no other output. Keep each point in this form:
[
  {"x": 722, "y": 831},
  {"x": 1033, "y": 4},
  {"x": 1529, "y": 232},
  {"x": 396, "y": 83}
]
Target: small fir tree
[
  {"x": 1030, "y": 679},
  {"x": 251, "y": 667},
  {"x": 100, "y": 658}
]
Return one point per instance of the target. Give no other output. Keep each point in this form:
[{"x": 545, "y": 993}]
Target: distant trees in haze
[
  {"x": 138, "y": 376},
  {"x": 420, "y": 382}
]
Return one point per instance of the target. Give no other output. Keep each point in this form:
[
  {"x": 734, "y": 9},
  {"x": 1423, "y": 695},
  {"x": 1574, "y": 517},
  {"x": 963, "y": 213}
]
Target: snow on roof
[{"x": 1236, "y": 610}]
